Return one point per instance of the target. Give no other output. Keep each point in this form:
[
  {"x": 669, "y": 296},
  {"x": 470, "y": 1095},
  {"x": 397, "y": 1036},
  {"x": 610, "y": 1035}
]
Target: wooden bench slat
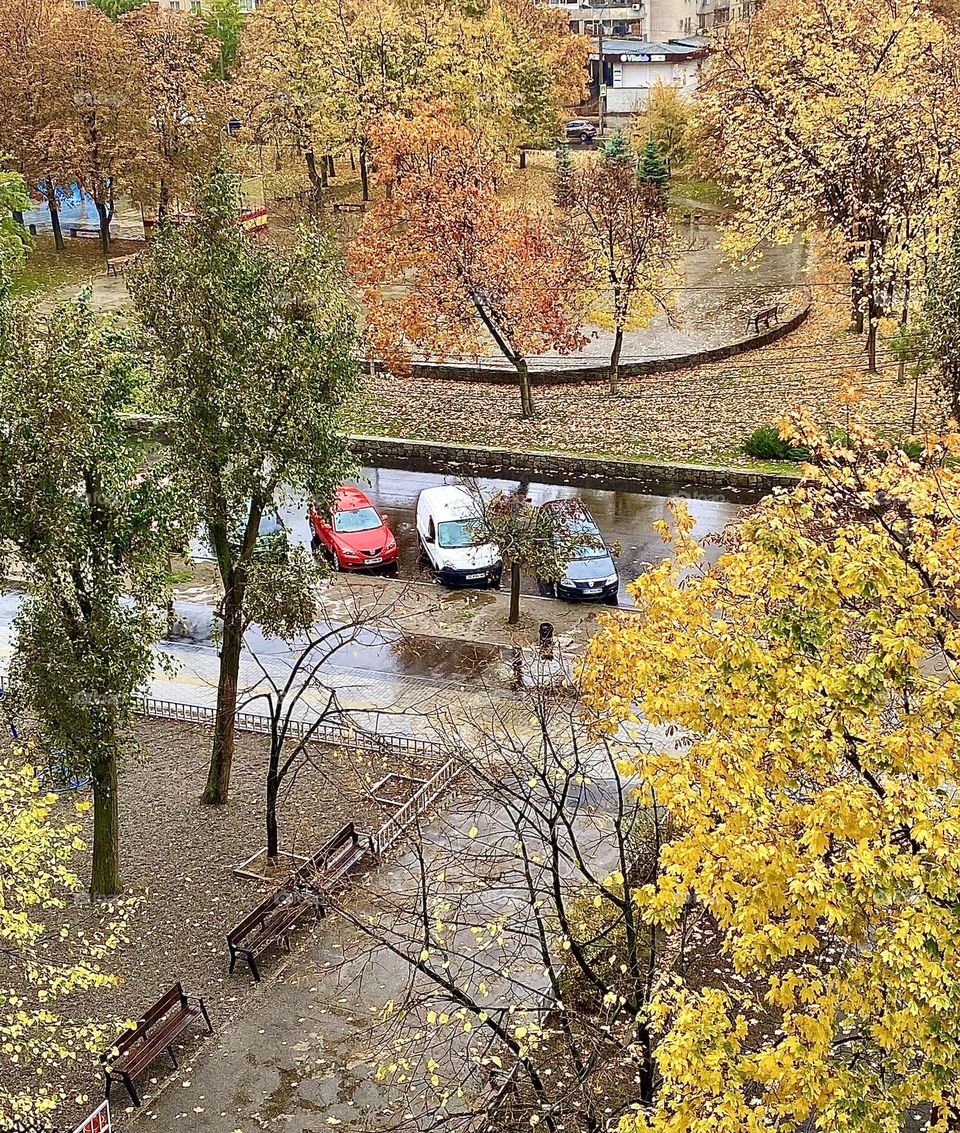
[
  {"x": 158, "y": 1041},
  {"x": 161, "y": 1024}
]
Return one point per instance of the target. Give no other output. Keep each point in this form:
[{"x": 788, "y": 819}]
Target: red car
[{"x": 356, "y": 537}]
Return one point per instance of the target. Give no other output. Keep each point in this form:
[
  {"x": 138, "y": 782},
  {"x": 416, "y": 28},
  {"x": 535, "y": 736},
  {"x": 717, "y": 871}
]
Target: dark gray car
[
  {"x": 590, "y": 574},
  {"x": 579, "y": 130}
]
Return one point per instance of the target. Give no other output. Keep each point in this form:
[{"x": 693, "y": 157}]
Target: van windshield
[{"x": 458, "y": 533}]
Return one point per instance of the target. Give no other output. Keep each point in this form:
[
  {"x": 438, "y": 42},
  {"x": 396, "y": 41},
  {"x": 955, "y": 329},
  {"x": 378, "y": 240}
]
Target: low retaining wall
[
  {"x": 569, "y": 371},
  {"x": 631, "y": 475}
]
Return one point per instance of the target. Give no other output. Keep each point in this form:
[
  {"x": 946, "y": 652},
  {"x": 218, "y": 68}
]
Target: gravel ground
[
  {"x": 701, "y": 414},
  {"x": 177, "y": 860}
]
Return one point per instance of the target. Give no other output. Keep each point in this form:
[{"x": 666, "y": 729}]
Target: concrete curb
[
  {"x": 568, "y": 371},
  {"x": 630, "y": 475}
]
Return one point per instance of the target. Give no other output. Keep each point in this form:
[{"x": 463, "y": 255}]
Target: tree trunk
[
  {"x": 17, "y": 216},
  {"x": 514, "y": 617},
  {"x": 873, "y": 319},
  {"x": 104, "y": 216},
  {"x": 163, "y": 199},
  {"x": 316, "y": 181},
  {"x": 273, "y": 790},
  {"x": 615, "y": 362},
  {"x": 224, "y": 734},
  {"x": 105, "y": 876},
  {"x": 53, "y": 205},
  {"x": 523, "y": 158},
  {"x": 856, "y": 302},
  {"x": 527, "y": 409},
  {"x": 330, "y": 165},
  {"x": 364, "y": 174}
]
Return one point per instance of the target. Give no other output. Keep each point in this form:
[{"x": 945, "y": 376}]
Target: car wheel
[
  {"x": 586, "y": 138},
  {"x": 612, "y": 600},
  {"x": 315, "y": 546},
  {"x": 335, "y": 564}
]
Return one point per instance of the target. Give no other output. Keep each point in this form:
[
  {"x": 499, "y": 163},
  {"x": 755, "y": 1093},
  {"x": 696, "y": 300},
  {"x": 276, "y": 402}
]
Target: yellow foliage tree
[
  {"x": 841, "y": 116},
  {"x": 807, "y": 685},
  {"x": 321, "y": 74},
  {"x": 45, "y": 968}
]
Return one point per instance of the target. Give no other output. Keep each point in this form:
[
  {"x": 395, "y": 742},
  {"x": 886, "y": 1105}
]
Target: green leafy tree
[
  {"x": 257, "y": 352},
  {"x": 117, "y": 8},
  {"x": 224, "y": 23},
  {"x": 14, "y": 238},
  {"x": 91, "y": 524},
  {"x": 45, "y": 973},
  {"x": 527, "y": 538},
  {"x": 942, "y": 319}
]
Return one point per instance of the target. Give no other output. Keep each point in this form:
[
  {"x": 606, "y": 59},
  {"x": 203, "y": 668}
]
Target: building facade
[
  {"x": 653, "y": 20},
  {"x": 631, "y": 68}
]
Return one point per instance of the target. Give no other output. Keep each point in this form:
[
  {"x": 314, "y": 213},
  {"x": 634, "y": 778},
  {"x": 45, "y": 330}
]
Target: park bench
[
  {"x": 85, "y": 233},
  {"x": 349, "y": 206},
  {"x": 116, "y": 264},
  {"x": 155, "y": 1031},
  {"x": 271, "y": 922},
  {"x": 333, "y": 861},
  {"x": 770, "y": 316}
]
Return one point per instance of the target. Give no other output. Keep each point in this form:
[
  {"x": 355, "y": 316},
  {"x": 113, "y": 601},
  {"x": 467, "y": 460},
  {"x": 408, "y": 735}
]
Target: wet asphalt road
[{"x": 625, "y": 517}]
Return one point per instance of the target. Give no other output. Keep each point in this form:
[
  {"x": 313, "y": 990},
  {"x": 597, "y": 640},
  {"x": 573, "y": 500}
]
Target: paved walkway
[
  {"x": 301, "y": 1053},
  {"x": 708, "y": 307}
]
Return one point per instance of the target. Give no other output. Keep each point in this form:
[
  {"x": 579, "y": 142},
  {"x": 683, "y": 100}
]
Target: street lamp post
[{"x": 602, "y": 97}]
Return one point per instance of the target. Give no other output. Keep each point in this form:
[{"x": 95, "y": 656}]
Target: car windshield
[
  {"x": 458, "y": 533},
  {"x": 582, "y": 526},
  {"x": 590, "y": 569},
  {"x": 363, "y": 519}
]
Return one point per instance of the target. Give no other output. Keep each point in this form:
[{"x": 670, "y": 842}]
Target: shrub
[{"x": 767, "y": 444}]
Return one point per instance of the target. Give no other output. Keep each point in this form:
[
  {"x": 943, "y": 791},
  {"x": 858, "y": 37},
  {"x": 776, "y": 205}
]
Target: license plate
[
  {"x": 474, "y": 577},
  {"x": 372, "y": 562},
  {"x": 592, "y": 590}
]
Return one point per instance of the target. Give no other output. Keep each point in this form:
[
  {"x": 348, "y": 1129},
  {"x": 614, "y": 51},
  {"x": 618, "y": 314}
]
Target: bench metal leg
[
  {"x": 173, "y": 1057},
  {"x": 252, "y": 961},
  {"x": 134, "y": 1096},
  {"x": 206, "y": 1017},
  {"x": 107, "y": 1084},
  {"x": 233, "y": 959}
]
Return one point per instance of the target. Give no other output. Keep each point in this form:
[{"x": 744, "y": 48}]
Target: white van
[{"x": 448, "y": 540}]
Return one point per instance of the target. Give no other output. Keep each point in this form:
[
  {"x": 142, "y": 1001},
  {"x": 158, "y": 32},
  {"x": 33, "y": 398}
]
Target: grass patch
[
  {"x": 706, "y": 192},
  {"x": 47, "y": 270}
]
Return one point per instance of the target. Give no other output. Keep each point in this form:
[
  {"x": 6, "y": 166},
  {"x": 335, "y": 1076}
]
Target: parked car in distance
[
  {"x": 356, "y": 536},
  {"x": 579, "y": 130},
  {"x": 449, "y": 541},
  {"x": 590, "y": 573}
]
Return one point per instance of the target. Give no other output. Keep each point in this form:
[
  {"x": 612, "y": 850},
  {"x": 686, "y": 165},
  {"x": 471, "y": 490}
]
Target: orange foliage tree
[
  {"x": 447, "y": 267},
  {"x": 96, "y": 116}
]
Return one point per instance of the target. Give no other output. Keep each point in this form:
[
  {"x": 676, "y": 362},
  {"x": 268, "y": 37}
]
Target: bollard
[{"x": 546, "y": 640}]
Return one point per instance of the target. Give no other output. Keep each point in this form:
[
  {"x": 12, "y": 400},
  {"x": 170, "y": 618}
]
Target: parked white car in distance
[{"x": 448, "y": 540}]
